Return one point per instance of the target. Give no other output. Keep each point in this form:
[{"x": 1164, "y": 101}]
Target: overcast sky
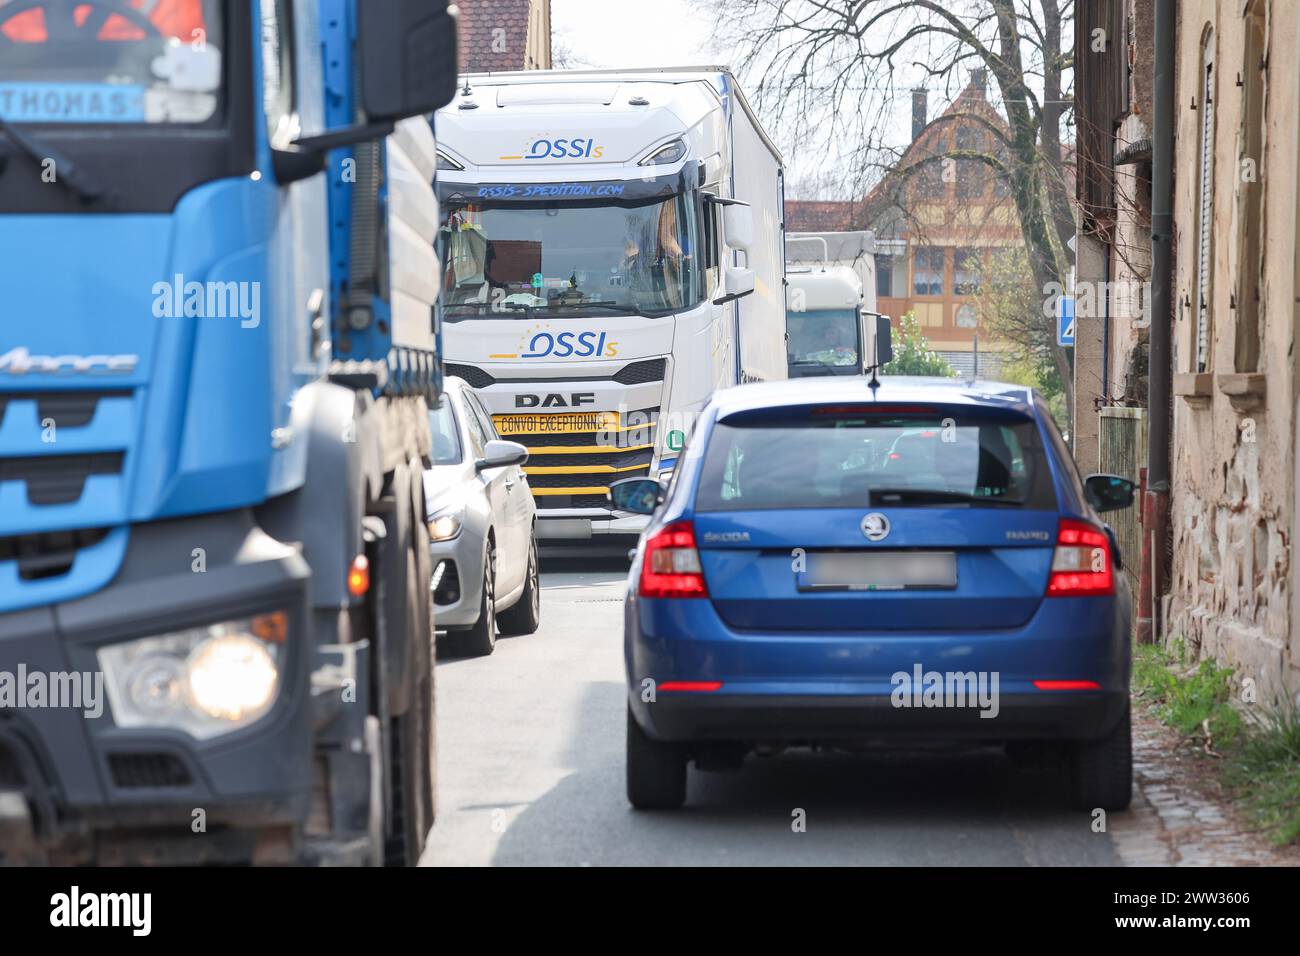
[
  {"x": 620, "y": 34},
  {"x": 625, "y": 34}
]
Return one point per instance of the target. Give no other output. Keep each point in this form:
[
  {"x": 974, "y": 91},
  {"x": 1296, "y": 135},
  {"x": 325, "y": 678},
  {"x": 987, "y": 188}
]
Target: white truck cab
[{"x": 612, "y": 253}]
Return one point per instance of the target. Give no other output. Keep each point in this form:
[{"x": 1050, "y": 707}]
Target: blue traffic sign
[{"x": 1065, "y": 320}]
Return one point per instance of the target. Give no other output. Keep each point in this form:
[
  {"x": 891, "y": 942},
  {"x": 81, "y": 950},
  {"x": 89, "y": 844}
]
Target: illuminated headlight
[
  {"x": 666, "y": 155},
  {"x": 206, "y": 681},
  {"x": 445, "y": 526},
  {"x": 446, "y": 162}
]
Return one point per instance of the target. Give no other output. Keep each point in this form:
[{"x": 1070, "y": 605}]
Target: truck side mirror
[
  {"x": 737, "y": 282},
  {"x": 408, "y": 57},
  {"x": 738, "y": 225},
  {"x": 884, "y": 340},
  {"x": 407, "y": 53}
]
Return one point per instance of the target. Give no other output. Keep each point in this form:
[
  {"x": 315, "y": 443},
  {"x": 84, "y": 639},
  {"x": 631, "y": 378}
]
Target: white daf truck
[
  {"x": 831, "y": 319},
  {"x": 612, "y": 253}
]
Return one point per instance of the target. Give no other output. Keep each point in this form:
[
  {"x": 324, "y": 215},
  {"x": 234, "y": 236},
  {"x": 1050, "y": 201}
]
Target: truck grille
[
  {"x": 634, "y": 373},
  {"x": 66, "y": 409},
  {"x": 573, "y": 470},
  {"x": 47, "y": 554},
  {"x": 148, "y": 770},
  {"x": 638, "y": 373},
  {"x": 572, "y": 501},
  {"x": 474, "y": 377},
  {"x": 58, "y": 479}
]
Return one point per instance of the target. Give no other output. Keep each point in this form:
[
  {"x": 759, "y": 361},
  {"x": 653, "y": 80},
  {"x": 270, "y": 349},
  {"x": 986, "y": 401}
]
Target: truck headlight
[
  {"x": 665, "y": 155},
  {"x": 206, "y": 681},
  {"x": 445, "y": 526}
]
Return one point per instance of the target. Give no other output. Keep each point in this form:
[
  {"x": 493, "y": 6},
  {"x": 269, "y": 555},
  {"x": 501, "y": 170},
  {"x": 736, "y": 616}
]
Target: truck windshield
[
  {"x": 501, "y": 261},
  {"x": 823, "y": 338},
  {"x": 110, "y": 61}
]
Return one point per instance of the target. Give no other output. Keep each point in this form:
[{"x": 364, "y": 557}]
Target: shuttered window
[
  {"x": 1250, "y": 186},
  {"x": 1205, "y": 215}
]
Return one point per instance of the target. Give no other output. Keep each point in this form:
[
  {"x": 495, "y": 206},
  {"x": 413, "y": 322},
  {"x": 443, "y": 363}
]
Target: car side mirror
[
  {"x": 737, "y": 283},
  {"x": 1109, "y": 492},
  {"x": 641, "y": 496},
  {"x": 501, "y": 454}
]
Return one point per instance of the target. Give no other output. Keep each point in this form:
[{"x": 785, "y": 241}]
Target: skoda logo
[{"x": 875, "y": 526}]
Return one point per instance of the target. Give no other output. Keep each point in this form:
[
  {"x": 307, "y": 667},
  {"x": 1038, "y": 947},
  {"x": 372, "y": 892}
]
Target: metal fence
[{"x": 1122, "y": 436}]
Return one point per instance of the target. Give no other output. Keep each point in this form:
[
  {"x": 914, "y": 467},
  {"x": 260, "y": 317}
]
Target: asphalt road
[{"x": 530, "y": 772}]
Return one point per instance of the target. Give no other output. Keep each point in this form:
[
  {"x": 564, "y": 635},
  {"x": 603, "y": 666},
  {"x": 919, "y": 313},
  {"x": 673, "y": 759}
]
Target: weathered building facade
[{"x": 1232, "y": 593}]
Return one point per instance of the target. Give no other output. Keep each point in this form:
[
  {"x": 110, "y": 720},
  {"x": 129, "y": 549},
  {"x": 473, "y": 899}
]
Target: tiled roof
[
  {"x": 802, "y": 215},
  {"x": 493, "y": 34}
]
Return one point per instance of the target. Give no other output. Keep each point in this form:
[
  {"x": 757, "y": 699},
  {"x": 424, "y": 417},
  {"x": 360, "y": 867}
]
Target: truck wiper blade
[
  {"x": 885, "y": 496},
  {"x": 613, "y": 306},
  {"x": 66, "y": 172}
]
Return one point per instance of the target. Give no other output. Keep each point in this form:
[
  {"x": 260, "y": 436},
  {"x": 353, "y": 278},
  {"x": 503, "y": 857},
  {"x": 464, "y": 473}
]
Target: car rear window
[{"x": 824, "y": 458}]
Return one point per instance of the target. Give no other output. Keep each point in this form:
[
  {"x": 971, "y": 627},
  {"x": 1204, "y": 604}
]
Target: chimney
[
  {"x": 979, "y": 81},
  {"x": 918, "y": 112}
]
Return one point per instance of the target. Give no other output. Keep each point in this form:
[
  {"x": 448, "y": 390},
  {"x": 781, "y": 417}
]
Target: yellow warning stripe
[
  {"x": 580, "y": 469},
  {"x": 584, "y": 449},
  {"x": 593, "y": 490}
]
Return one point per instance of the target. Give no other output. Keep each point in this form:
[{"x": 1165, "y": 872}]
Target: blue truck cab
[{"x": 218, "y": 348}]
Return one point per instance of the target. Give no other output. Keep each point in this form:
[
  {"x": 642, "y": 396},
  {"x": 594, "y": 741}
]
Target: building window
[
  {"x": 1205, "y": 211},
  {"x": 972, "y": 174},
  {"x": 966, "y": 271},
  {"x": 927, "y": 271},
  {"x": 884, "y": 276},
  {"x": 1250, "y": 186}
]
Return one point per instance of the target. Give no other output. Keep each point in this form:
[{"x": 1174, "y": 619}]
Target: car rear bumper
[
  {"x": 790, "y": 718},
  {"x": 870, "y": 685}
]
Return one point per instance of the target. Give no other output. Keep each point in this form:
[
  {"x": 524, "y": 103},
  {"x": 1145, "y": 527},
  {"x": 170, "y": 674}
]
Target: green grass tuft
[{"x": 1261, "y": 758}]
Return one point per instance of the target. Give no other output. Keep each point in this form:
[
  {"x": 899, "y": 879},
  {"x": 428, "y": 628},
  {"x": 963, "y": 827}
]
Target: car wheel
[
  {"x": 1101, "y": 771},
  {"x": 481, "y": 639},
  {"x": 656, "y": 771},
  {"x": 526, "y": 615}
]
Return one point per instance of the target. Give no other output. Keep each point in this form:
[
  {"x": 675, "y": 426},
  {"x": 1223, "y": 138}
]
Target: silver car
[{"x": 482, "y": 529}]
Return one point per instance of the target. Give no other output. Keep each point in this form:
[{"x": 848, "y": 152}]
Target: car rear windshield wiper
[
  {"x": 890, "y": 496},
  {"x": 66, "y": 172}
]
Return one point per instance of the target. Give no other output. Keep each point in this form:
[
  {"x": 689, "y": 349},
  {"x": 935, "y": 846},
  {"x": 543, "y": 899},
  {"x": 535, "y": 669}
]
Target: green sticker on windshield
[{"x": 676, "y": 440}]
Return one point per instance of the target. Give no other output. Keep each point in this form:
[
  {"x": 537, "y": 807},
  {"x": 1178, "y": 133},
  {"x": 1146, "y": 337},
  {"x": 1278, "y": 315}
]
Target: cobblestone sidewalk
[{"x": 1180, "y": 816}]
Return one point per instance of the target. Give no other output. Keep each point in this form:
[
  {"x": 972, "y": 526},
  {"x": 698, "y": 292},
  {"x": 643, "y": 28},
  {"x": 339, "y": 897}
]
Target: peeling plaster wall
[{"x": 1233, "y": 497}]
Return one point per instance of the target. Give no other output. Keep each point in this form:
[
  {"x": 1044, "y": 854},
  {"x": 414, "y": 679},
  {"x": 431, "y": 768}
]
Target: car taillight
[
  {"x": 1081, "y": 565},
  {"x": 670, "y": 567}
]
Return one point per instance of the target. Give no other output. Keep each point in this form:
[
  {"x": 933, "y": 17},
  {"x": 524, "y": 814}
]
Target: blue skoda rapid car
[{"x": 839, "y": 565}]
